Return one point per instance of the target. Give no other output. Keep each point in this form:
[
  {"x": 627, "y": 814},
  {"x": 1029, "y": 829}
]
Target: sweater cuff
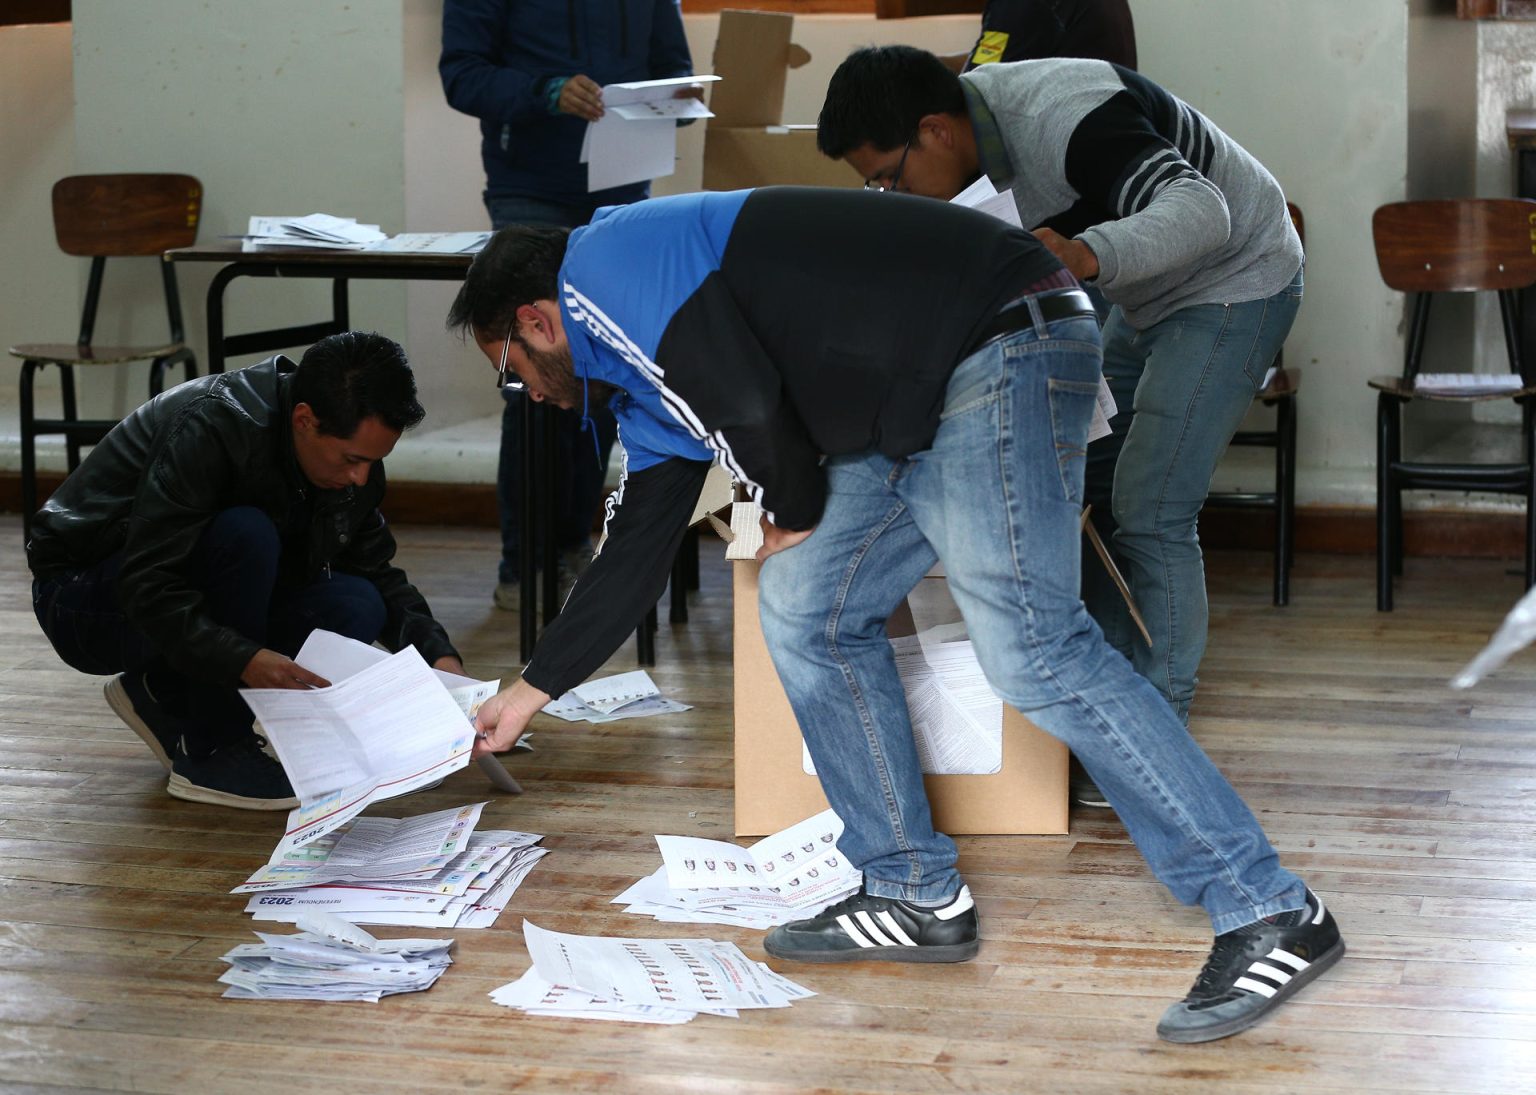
[{"x": 550, "y": 93}]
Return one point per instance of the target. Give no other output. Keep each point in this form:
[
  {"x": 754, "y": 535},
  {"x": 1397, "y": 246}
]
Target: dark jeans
[
  {"x": 236, "y": 569},
  {"x": 580, "y": 467}
]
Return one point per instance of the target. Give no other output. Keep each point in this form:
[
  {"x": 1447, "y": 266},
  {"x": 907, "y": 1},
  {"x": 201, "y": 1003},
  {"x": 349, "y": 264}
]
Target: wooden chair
[
  {"x": 100, "y": 217},
  {"x": 1279, "y": 392},
  {"x": 1459, "y": 246}
]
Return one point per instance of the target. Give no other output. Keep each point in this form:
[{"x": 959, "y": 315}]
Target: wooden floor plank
[{"x": 1412, "y": 808}]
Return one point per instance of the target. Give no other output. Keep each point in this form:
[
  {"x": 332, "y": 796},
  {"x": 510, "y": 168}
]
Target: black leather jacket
[{"x": 149, "y": 488}]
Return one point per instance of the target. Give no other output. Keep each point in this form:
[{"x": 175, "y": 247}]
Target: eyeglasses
[
  {"x": 506, "y": 379},
  {"x": 874, "y": 182}
]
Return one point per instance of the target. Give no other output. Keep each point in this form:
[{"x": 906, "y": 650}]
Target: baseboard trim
[{"x": 1334, "y": 530}]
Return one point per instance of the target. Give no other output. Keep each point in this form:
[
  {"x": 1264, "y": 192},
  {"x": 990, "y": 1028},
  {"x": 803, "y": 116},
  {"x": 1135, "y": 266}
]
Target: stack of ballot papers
[
  {"x": 641, "y": 980},
  {"x": 468, "y": 891},
  {"x": 1467, "y": 383},
  {"x": 328, "y": 233},
  {"x": 625, "y": 696},
  {"x": 788, "y": 876},
  {"x": 388, "y": 724},
  {"x": 332, "y": 960}
]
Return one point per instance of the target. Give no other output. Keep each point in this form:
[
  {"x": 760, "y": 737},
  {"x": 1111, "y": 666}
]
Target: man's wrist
[{"x": 551, "y": 93}]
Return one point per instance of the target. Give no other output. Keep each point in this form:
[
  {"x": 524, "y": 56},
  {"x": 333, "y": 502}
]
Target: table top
[
  {"x": 1520, "y": 125},
  {"x": 229, "y": 251}
]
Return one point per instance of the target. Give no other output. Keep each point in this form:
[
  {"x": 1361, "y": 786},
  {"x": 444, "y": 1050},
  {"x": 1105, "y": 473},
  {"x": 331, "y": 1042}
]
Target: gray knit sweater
[{"x": 1177, "y": 212}]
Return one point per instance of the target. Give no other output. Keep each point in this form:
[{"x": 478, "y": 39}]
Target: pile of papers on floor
[
  {"x": 429, "y": 871},
  {"x": 332, "y": 960},
  {"x": 641, "y": 980},
  {"x": 625, "y": 696},
  {"x": 788, "y": 876}
]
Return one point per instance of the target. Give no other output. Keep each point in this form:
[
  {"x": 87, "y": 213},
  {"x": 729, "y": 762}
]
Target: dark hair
[
  {"x": 879, "y": 94},
  {"x": 354, "y": 375},
  {"x": 521, "y": 264}
]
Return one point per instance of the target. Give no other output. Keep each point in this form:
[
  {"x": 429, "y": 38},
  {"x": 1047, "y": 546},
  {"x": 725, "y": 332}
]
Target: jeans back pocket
[{"x": 1072, "y": 403}]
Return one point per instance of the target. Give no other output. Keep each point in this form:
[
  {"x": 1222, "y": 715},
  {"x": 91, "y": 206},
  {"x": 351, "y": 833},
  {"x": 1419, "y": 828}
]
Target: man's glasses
[
  {"x": 875, "y": 182},
  {"x": 506, "y": 379}
]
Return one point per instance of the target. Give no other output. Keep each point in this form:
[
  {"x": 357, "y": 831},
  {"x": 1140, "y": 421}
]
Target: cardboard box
[
  {"x": 747, "y": 143},
  {"x": 773, "y": 791}
]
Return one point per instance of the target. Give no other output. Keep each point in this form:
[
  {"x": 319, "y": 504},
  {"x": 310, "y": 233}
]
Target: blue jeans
[
  {"x": 997, "y": 498},
  {"x": 1183, "y": 386},
  {"x": 236, "y": 568},
  {"x": 580, "y": 466}
]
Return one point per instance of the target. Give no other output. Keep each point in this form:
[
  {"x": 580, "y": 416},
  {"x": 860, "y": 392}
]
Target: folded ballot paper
[
  {"x": 787, "y": 876},
  {"x": 468, "y": 891},
  {"x": 641, "y": 980},
  {"x": 332, "y": 960},
  {"x": 624, "y": 696},
  {"x": 325, "y": 232},
  {"x": 636, "y": 138},
  {"x": 388, "y": 724}
]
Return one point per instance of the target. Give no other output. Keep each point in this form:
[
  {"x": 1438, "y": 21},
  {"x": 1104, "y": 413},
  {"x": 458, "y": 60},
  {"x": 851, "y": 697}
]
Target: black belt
[{"x": 1053, "y": 304}]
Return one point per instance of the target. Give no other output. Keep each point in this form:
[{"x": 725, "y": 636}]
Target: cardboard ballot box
[
  {"x": 773, "y": 790},
  {"x": 747, "y": 143}
]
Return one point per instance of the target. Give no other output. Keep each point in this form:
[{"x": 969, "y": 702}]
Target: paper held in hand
[
  {"x": 388, "y": 724},
  {"x": 636, "y": 138}
]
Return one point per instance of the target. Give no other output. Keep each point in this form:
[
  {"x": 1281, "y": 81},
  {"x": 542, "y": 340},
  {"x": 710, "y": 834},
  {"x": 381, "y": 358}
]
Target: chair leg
[
  {"x": 645, "y": 639},
  {"x": 1528, "y": 422},
  {"x": 71, "y": 413},
  {"x": 1383, "y": 505},
  {"x": 1285, "y": 497},
  {"x": 677, "y": 611},
  {"x": 28, "y": 449}
]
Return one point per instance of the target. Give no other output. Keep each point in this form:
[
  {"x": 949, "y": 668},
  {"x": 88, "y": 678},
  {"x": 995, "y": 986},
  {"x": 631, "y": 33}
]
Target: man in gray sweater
[{"x": 1183, "y": 232}]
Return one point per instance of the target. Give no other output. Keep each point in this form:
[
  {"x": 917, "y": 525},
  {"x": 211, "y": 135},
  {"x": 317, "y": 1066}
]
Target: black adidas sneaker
[
  {"x": 881, "y": 929},
  {"x": 1252, "y": 971}
]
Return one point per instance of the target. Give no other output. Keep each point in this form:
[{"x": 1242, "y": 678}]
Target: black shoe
[
  {"x": 129, "y": 697},
  {"x": 1085, "y": 792},
  {"x": 238, "y": 775},
  {"x": 881, "y": 929},
  {"x": 1252, "y": 971}
]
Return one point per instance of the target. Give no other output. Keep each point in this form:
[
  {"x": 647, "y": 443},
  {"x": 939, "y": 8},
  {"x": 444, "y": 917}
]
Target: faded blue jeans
[
  {"x": 1183, "y": 386},
  {"x": 997, "y": 498}
]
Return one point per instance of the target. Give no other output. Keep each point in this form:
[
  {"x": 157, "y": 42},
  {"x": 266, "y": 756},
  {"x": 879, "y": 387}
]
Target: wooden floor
[{"x": 1410, "y": 807}]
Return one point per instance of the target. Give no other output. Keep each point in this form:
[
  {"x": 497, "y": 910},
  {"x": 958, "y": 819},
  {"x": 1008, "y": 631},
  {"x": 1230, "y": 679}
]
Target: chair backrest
[
  {"x": 1458, "y": 245},
  {"x": 112, "y": 215}
]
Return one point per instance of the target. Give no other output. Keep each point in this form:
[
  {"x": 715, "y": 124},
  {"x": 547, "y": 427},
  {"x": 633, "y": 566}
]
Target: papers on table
[
  {"x": 983, "y": 196},
  {"x": 624, "y": 696},
  {"x": 321, "y": 230},
  {"x": 468, "y": 892},
  {"x": 787, "y": 876},
  {"x": 641, "y": 980},
  {"x": 636, "y": 138},
  {"x": 1466, "y": 383},
  {"x": 332, "y": 960}
]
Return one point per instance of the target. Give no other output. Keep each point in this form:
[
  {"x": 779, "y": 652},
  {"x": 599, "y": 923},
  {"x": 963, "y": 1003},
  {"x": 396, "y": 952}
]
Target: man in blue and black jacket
[
  {"x": 533, "y": 71},
  {"x": 896, "y": 381}
]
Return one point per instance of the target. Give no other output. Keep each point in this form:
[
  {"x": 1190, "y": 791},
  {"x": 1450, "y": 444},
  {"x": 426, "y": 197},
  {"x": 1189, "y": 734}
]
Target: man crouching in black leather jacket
[{"x": 198, "y": 545}]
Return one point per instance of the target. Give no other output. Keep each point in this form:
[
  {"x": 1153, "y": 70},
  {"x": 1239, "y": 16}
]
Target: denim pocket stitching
[{"x": 1067, "y": 454}]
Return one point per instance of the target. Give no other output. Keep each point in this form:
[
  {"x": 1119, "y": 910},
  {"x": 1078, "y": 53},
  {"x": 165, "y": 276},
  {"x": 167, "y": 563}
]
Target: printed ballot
[
  {"x": 636, "y": 138},
  {"x": 332, "y": 960},
  {"x": 623, "y": 696},
  {"x": 388, "y": 724},
  {"x": 686, "y": 974},
  {"x": 787, "y": 876}
]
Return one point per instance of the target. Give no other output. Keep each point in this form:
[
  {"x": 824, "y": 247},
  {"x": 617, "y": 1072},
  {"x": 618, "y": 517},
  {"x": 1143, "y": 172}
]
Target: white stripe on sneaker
[
  {"x": 872, "y": 929},
  {"x": 895, "y": 929},
  {"x": 1297, "y": 964},
  {"x": 1254, "y": 986},
  {"x": 1318, "y": 919},
  {"x": 1280, "y": 977},
  {"x": 852, "y": 932}
]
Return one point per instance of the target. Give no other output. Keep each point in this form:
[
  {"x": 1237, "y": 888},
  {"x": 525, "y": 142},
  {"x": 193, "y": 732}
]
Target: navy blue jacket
[{"x": 499, "y": 55}]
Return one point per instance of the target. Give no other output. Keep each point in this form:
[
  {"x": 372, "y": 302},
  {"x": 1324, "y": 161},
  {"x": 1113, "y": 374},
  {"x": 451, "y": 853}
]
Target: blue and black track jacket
[
  {"x": 499, "y": 56},
  {"x": 765, "y": 329}
]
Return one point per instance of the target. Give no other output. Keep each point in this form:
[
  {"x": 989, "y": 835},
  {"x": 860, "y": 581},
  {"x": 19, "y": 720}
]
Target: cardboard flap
[{"x": 753, "y": 56}]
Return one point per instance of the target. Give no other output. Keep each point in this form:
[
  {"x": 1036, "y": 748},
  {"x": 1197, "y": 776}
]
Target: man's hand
[
  {"x": 582, "y": 97},
  {"x": 776, "y": 539},
  {"x": 1075, "y": 255},
  {"x": 449, "y": 664},
  {"x": 269, "y": 669},
  {"x": 502, "y": 719}
]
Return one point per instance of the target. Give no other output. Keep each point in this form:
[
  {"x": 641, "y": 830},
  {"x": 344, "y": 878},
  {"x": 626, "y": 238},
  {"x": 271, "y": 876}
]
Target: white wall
[{"x": 293, "y": 106}]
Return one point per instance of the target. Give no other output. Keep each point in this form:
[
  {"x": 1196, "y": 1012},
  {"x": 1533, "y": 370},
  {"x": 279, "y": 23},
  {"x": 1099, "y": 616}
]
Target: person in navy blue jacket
[
  {"x": 533, "y": 71},
  {"x": 896, "y": 381}
]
